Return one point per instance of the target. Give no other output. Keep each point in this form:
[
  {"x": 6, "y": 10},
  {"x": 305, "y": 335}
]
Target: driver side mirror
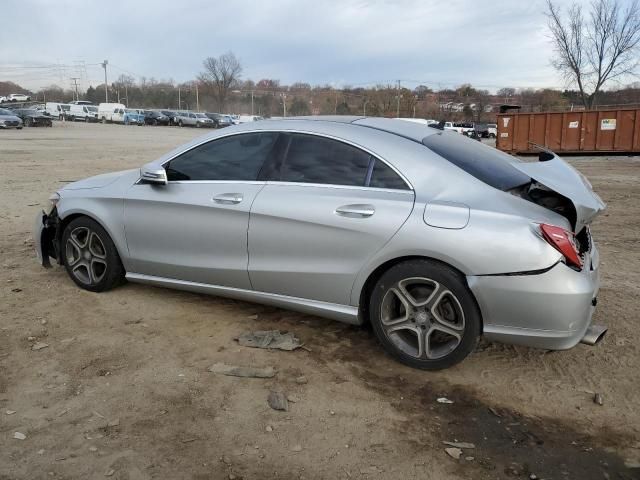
[{"x": 153, "y": 175}]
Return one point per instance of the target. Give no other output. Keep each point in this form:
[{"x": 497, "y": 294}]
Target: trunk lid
[{"x": 559, "y": 176}]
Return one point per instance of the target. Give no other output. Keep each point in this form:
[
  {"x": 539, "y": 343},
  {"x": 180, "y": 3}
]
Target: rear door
[
  {"x": 195, "y": 227},
  {"x": 327, "y": 207}
]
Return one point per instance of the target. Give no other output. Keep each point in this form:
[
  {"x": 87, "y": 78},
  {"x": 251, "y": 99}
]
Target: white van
[
  {"x": 111, "y": 112},
  {"x": 86, "y": 113},
  {"x": 57, "y": 110}
]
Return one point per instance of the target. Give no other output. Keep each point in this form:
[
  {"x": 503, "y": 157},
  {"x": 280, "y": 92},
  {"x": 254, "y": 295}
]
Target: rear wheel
[
  {"x": 180, "y": 123},
  {"x": 424, "y": 315},
  {"x": 86, "y": 119},
  {"x": 28, "y": 122},
  {"x": 90, "y": 257}
]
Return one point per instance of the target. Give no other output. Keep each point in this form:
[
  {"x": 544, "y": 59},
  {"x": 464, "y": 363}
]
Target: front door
[
  {"x": 195, "y": 227},
  {"x": 326, "y": 209}
]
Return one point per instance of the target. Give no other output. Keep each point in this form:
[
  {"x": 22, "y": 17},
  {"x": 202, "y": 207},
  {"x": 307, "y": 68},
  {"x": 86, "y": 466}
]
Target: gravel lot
[{"x": 122, "y": 391}]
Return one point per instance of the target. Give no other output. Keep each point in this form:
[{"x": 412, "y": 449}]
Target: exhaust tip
[{"x": 594, "y": 334}]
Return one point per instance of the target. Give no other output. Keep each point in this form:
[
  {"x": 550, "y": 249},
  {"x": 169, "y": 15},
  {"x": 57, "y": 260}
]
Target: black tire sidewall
[
  {"x": 444, "y": 275},
  {"x": 115, "y": 271}
]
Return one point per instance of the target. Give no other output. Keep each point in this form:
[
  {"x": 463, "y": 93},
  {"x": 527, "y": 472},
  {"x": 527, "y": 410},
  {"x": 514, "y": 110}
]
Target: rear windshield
[{"x": 487, "y": 164}]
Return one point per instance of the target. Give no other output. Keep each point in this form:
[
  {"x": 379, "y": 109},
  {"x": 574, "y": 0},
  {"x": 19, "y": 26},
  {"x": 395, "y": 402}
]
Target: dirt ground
[{"x": 122, "y": 391}]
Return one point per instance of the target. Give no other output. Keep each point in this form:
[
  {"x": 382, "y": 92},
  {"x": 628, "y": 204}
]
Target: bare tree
[
  {"x": 220, "y": 75},
  {"x": 592, "y": 49}
]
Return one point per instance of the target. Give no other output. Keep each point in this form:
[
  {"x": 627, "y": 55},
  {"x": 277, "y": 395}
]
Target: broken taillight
[{"x": 563, "y": 241}]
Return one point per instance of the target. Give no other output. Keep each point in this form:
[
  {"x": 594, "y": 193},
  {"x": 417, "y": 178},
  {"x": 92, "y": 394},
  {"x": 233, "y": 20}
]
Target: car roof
[{"x": 407, "y": 129}]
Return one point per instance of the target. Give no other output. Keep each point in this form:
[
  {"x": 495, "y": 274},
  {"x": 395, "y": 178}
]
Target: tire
[
  {"x": 28, "y": 122},
  {"x": 155, "y": 122},
  {"x": 90, "y": 257},
  {"x": 86, "y": 119},
  {"x": 180, "y": 124},
  {"x": 424, "y": 315}
]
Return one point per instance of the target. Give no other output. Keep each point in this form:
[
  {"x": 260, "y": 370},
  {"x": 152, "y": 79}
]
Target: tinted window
[
  {"x": 238, "y": 157},
  {"x": 312, "y": 159},
  {"x": 384, "y": 177},
  {"x": 487, "y": 164}
]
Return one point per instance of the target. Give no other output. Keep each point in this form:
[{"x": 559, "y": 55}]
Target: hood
[
  {"x": 98, "y": 181},
  {"x": 559, "y": 176},
  {"x": 10, "y": 117}
]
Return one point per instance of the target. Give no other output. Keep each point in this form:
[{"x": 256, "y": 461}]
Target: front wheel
[
  {"x": 90, "y": 256},
  {"x": 180, "y": 123},
  {"x": 424, "y": 315}
]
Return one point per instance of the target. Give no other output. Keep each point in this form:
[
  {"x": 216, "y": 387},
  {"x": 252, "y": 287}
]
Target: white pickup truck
[{"x": 463, "y": 128}]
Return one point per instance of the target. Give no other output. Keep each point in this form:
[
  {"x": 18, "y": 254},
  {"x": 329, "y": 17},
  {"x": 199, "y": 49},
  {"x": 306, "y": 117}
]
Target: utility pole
[
  {"x": 179, "y": 103},
  {"x": 398, "y": 108},
  {"x": 126, "y": 95},
  {"x": 75, "y": 83},
  {"x": 284, "y": 104},
  {"x": 251, "y": 102},
  {"x": 335, "y": 108},
  {"x": 197, "y": 98},
  {"x": 106, "y": 88},
  {"x": 364, "y": 108}
]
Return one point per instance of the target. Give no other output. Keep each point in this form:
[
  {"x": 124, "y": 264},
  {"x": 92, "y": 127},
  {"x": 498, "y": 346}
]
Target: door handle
[
  {"x": 228, "y": 198},
  {"x": 356, "y": 210}
]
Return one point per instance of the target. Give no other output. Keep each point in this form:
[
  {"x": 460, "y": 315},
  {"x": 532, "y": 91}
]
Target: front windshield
[
  {"x": 4, "y": 111},
  {"x": 201, "y": 115},
  {"x": 92, "y": 109},
  {"x": 128, "y": 110}
]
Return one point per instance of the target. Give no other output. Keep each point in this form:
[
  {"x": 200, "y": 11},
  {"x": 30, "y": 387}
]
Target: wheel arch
[
  {"x": 70, "y": 216},
  {"x": 374, "y": 276}
]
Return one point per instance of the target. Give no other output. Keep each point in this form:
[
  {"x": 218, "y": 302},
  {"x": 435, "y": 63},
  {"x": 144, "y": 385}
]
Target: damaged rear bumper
[
  {"x": 45, "y": 237},
  {"x": 550, "y": 310}
]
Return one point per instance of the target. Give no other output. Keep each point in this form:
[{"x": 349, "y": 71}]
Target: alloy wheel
[
  {"x": 86, "y": 256},
  {"x": 422, "y": 318}
]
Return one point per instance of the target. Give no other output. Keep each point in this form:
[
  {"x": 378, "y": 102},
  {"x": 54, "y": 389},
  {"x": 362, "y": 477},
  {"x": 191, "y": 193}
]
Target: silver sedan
[{"x": 432, "y": 238}]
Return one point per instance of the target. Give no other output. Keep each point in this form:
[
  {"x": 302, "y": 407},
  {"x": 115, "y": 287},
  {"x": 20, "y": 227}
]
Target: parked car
[
  {"x": 458, "y": 127},
  {"x": 220, "y": 120},
  {"x": 192, "y": 119},
  {"x": 111, "y": 112},
  {"x": 133, "y": 116},
  {"x": 83, "y": 112},
  {"x": 33, "y": 118},
  {"x": 481, "y": 130},
  {"x": 246, "y": 119},
  {"x": 3, "y": 99},
  {"x": 171, "y": 114},
  {"x": 80, "y": 102},
  {"x": 8, "y": 119},
  {"x": 419, "y": 120},
  {"x": 57, "y": 110},
  {"x": 492, "y": 128},
  {"x": 431, "y": 237},
  {"x": 18, "y": 97},
  {"x": 151, "y": 117}
]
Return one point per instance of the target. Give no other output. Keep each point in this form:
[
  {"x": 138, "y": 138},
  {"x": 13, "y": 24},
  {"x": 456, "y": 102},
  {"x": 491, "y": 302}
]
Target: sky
[{"x": 441, "y": 44}]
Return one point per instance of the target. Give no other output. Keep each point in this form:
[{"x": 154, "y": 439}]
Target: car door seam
[{"x": 255, "y": 197}]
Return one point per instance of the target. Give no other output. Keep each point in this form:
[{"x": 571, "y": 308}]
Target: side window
[
  {"x": 238, "y": 157},
  {"x": 384, "y": 177},
  {"x": 312, "y": 159}
]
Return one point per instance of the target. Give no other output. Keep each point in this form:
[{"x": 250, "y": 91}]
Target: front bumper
[{"x": 550, "y": 310}]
